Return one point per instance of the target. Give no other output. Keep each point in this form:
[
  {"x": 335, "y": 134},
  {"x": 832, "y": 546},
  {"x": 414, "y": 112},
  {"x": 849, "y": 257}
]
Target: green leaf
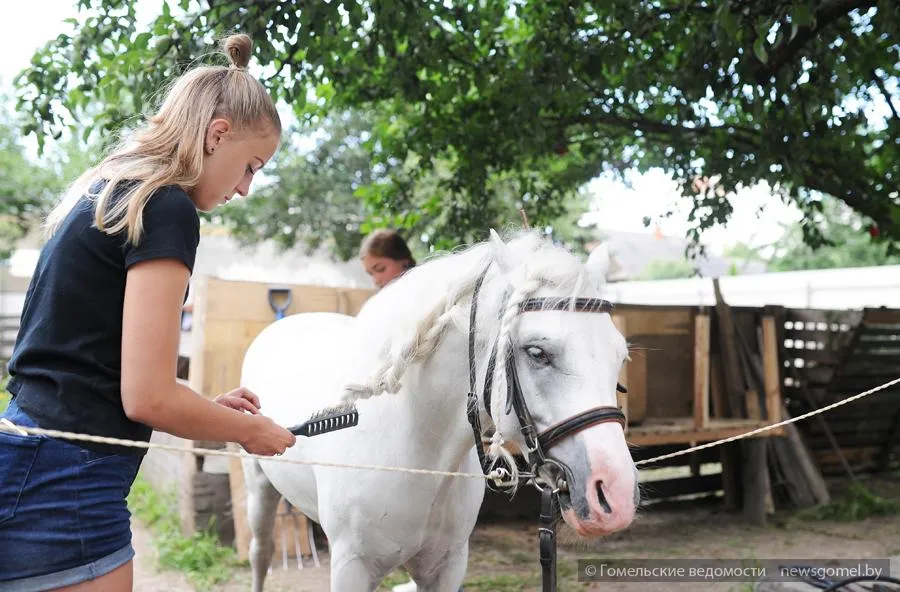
[
  {"x": 727, "y": 20},
  {"x": 759, "y": 50},
  {"x": 802, "y": 15}
]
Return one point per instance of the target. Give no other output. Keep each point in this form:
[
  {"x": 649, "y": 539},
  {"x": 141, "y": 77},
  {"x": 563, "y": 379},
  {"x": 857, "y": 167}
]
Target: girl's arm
[{"x": 151, "y": 329}]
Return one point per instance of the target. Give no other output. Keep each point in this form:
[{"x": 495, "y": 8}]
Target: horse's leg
[
  {"x": 262, "y": 503},
  {"x": 351, "y": 574},
  {"x": 446, "y": 576}
]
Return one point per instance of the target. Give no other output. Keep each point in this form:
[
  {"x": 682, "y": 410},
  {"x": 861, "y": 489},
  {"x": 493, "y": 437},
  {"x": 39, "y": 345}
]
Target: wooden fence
[{"x": 696, "y": 374}]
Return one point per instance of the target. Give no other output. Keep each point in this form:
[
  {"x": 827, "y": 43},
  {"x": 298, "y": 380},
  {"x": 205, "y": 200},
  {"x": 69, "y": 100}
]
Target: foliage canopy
[{"x": 537, "y": 98}]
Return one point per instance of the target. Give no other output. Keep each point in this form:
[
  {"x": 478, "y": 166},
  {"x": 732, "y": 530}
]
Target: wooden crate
[{"x": 674, "y": 376}]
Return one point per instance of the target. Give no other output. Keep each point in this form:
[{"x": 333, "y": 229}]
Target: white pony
[{"x": 404, "y": 361}]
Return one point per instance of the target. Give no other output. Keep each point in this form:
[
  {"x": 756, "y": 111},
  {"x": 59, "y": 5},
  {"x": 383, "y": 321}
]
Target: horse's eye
[{"x": 538, "y": 355}]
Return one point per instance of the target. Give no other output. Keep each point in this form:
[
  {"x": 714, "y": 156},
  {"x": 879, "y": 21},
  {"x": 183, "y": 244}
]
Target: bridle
[{"x": 537, "y": 444}]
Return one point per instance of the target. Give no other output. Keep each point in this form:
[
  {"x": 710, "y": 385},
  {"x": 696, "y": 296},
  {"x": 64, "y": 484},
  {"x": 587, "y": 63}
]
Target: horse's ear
[
  {"x": 503, "y": 256},
  {"x": 598, "y": 263}
]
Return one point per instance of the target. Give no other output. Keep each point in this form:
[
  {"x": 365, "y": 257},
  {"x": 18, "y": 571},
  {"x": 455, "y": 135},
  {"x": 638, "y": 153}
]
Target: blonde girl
[{"x": 97, "y": 347}]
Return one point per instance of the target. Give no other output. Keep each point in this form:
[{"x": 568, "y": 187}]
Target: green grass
[
  {"x": 857, "y": 504},
  {"x": 4, "y": 396},
  {"x": 395, "y": 578},
  {"x": 502, "y": 583},
  {"x": 200, "y": 556}
]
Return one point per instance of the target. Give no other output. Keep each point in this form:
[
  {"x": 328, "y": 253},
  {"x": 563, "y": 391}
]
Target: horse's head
[{"x": 565, "y": 356}]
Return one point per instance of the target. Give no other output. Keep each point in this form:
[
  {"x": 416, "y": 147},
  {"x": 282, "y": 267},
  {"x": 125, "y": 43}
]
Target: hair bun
[{"x": 238, "y": 49}]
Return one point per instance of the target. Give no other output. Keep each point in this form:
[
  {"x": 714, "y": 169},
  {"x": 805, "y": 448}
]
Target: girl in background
[{"x": 385, "y": 256}]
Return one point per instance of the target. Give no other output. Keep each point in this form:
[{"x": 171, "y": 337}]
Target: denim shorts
[{"x": 64, "y": 518}]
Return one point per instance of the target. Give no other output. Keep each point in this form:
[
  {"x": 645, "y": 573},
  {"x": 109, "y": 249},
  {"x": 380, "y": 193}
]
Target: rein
[{"x": 536, "y": 443}]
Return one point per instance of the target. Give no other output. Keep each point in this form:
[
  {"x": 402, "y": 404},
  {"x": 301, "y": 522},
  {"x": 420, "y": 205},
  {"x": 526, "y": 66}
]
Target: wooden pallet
[{"x": 838, "y": 354}]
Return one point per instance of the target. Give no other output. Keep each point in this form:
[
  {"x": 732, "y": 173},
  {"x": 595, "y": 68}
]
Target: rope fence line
[
  {"x": 8, "y": 426},
  {"x": 771, "y": 426},
  {"x": 495, "y": 475}
]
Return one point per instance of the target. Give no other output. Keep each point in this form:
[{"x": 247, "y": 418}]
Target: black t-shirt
[{"x": 66, "y": 365}]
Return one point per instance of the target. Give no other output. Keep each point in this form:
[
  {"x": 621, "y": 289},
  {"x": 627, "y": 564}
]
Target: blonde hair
[{"x": 169, "y": 148}]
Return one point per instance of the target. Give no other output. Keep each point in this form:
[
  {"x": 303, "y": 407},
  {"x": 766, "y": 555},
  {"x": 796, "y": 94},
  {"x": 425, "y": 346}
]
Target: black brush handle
[
  {"x": 323, "y": 425},
  {"x": 300, "y": 430}
]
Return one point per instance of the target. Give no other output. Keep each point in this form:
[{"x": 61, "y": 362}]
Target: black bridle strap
[
  {"x": 547, "y": 538},
  {"x": 492, "y": 363},
  {"x": 488, "y": 379},
  {"x": 472, "y": 403},
  {"x": 549, "y": 437},
  {"x": 539, "y": 443},
  {"x": 473, "y": 311},
  {"x": 566, "y": 304}
]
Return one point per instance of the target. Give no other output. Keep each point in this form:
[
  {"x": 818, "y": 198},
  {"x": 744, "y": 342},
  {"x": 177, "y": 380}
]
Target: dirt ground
[{"x": 503, "y": 556}]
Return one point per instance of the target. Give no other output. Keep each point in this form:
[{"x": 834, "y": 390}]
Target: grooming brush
[{"x": 328, "y": 420}]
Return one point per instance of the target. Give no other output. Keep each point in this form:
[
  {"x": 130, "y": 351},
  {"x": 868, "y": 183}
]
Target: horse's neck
[
  {"x": 436, "y": 406},
  {"x": 438, "y": 389},
  {"x": 432, "y": 404}
]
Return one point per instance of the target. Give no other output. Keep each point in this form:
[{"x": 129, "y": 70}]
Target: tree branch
[
  {"x": 887, "y": 97},
  {"x": 825, "y": 177},
  {"x": 742, "y": 134},
  {"x": 827, "y": 13}
]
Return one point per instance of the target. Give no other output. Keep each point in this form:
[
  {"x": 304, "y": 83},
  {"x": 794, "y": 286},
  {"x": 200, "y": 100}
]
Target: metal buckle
[
  {"x": 529, "y": 433},
  {"x": 558, "y": 473}
]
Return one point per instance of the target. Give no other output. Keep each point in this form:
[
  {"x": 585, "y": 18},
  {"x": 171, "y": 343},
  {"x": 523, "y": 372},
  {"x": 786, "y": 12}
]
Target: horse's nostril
[{"x": 601, "y": 497}]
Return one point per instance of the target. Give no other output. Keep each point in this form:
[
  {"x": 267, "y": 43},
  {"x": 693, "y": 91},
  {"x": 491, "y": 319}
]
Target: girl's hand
[
  {"x": 266, "y": 438},
  {"x": 240, "y": 399}
]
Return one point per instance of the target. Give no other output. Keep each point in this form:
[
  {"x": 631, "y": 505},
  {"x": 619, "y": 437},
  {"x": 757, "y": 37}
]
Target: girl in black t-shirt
[{"x": 97, "y": 348}]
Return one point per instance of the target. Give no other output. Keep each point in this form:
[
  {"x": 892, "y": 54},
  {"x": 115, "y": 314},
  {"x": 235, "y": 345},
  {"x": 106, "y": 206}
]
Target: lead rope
[{"x": 550, "y": 510}]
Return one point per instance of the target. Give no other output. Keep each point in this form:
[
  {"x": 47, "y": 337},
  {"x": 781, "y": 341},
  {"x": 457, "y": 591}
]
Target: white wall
[
  {"x": 221, "y": 257},
  {"x": 851, "y": 288}
]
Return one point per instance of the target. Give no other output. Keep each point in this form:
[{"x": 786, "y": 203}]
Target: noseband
[{"x": 536, "y": 443}]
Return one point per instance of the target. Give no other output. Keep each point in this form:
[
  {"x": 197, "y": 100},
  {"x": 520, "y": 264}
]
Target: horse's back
[{"x": 295, "y": 365}]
